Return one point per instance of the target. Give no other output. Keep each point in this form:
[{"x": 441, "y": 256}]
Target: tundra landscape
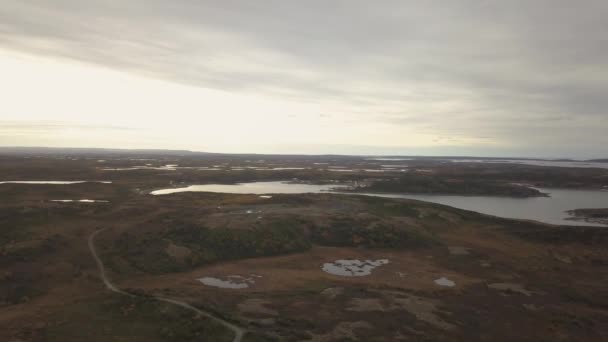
[
  {"x": 286, "y": 171},
  {"x": 117, "y": 262}
]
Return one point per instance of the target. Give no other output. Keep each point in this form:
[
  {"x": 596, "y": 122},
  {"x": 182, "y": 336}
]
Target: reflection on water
[
  {"x": 544, "y": 209},
  {"x": 353, "y": 268},
  {"x": 81, "y": 201},
  {"x": 390, "y": 159},
  {"x": 251, "y": 188},
  {"x": 230, "y": 282},
  {"x": 443, "y": 281},
  {"x": 162, "y": 168}
]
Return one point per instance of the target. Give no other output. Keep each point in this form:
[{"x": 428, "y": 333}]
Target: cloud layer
[{"x": 518, "y": 75}]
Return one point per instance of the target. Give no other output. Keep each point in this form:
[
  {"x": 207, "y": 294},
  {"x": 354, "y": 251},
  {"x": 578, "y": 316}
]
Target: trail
[{"x": 238, "y": 331}]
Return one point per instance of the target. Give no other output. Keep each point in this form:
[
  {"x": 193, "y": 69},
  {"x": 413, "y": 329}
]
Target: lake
[
  {"x": 544, "y": 209},
  {"x": 251, "y": 188}
]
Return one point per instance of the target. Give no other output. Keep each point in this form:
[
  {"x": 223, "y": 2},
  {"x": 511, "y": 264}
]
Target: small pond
[{"x": 352, "y": 268}]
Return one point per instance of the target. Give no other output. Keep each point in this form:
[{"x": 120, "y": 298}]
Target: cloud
[
  {"x": 514, "y": 73},
  {"x": 41, "y": 126}
]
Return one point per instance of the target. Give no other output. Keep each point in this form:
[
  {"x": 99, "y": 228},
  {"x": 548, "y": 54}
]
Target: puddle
[
  {"x": 510, "y": 287},
  {"x": 53, "y": 182},
  {"x": 443, "y": 281},
  {"x": 230, "y": 282},
  {"x": 563, "y": 258},
  {"x": 162, "y": 168},
  {"x": 81, "y": 201},
  {"x": 265, "y": 196},
  {"x": 332, "y": 292},
  {"x": 389, "y": 159},
  {"x": 458, "y": 250},
  {"x": 353, "y": 267}
]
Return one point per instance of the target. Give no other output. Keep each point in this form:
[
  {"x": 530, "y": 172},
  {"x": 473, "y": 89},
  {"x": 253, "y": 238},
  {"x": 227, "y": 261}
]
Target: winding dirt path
[{"x": 238, "y": 331}]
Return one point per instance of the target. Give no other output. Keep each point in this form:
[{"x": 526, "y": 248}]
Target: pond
[
  {"x": 544, "y": 209},
  {"x": 443, "y": 281},
  {"x": 230, "y": 282},
  {"x": 80, "y": 201},
  {"x": 353, "y": 267}
]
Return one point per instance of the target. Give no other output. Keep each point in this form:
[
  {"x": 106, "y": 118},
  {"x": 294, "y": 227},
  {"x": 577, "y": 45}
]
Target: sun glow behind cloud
[{"x": 65, "y": 103}]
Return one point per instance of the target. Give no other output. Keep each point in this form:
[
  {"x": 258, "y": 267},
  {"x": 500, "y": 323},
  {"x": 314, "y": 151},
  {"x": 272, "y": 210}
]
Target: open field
[{"x": 512, "y": 280}]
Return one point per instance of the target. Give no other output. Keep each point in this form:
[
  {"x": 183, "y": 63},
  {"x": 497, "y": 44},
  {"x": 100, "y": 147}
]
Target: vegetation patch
[
  {"x": 149, "y": 251},
  {"x": 347, "y": 232},
  {"x": 209, "y": 245},
  {"x": 123, "y": 318},
  {"x": 431, "y": 184}
]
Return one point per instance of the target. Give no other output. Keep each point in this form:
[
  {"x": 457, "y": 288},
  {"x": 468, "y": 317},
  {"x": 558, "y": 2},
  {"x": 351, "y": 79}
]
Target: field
[{"x": 512, "y": 280}]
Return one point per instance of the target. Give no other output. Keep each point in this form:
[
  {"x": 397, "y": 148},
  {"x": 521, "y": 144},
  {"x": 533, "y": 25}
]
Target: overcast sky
[{"x": 508, "y": 78}]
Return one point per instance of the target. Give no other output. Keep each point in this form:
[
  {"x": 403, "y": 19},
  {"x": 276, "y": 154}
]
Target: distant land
[
  {"x": 21, "y": 150},
  {"x": 92, "y": 151}
]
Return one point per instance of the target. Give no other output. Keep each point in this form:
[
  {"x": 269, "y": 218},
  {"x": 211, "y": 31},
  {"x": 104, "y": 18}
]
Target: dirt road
[{"x": 238, "y": 331}]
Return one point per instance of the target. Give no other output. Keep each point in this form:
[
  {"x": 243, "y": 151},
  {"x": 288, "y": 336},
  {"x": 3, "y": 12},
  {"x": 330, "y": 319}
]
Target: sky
[{"x": 481, "y": 78}]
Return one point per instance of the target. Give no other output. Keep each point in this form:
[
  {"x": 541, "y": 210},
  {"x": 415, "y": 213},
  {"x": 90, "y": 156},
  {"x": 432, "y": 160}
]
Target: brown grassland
[{"x": 514, "y": 280}]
